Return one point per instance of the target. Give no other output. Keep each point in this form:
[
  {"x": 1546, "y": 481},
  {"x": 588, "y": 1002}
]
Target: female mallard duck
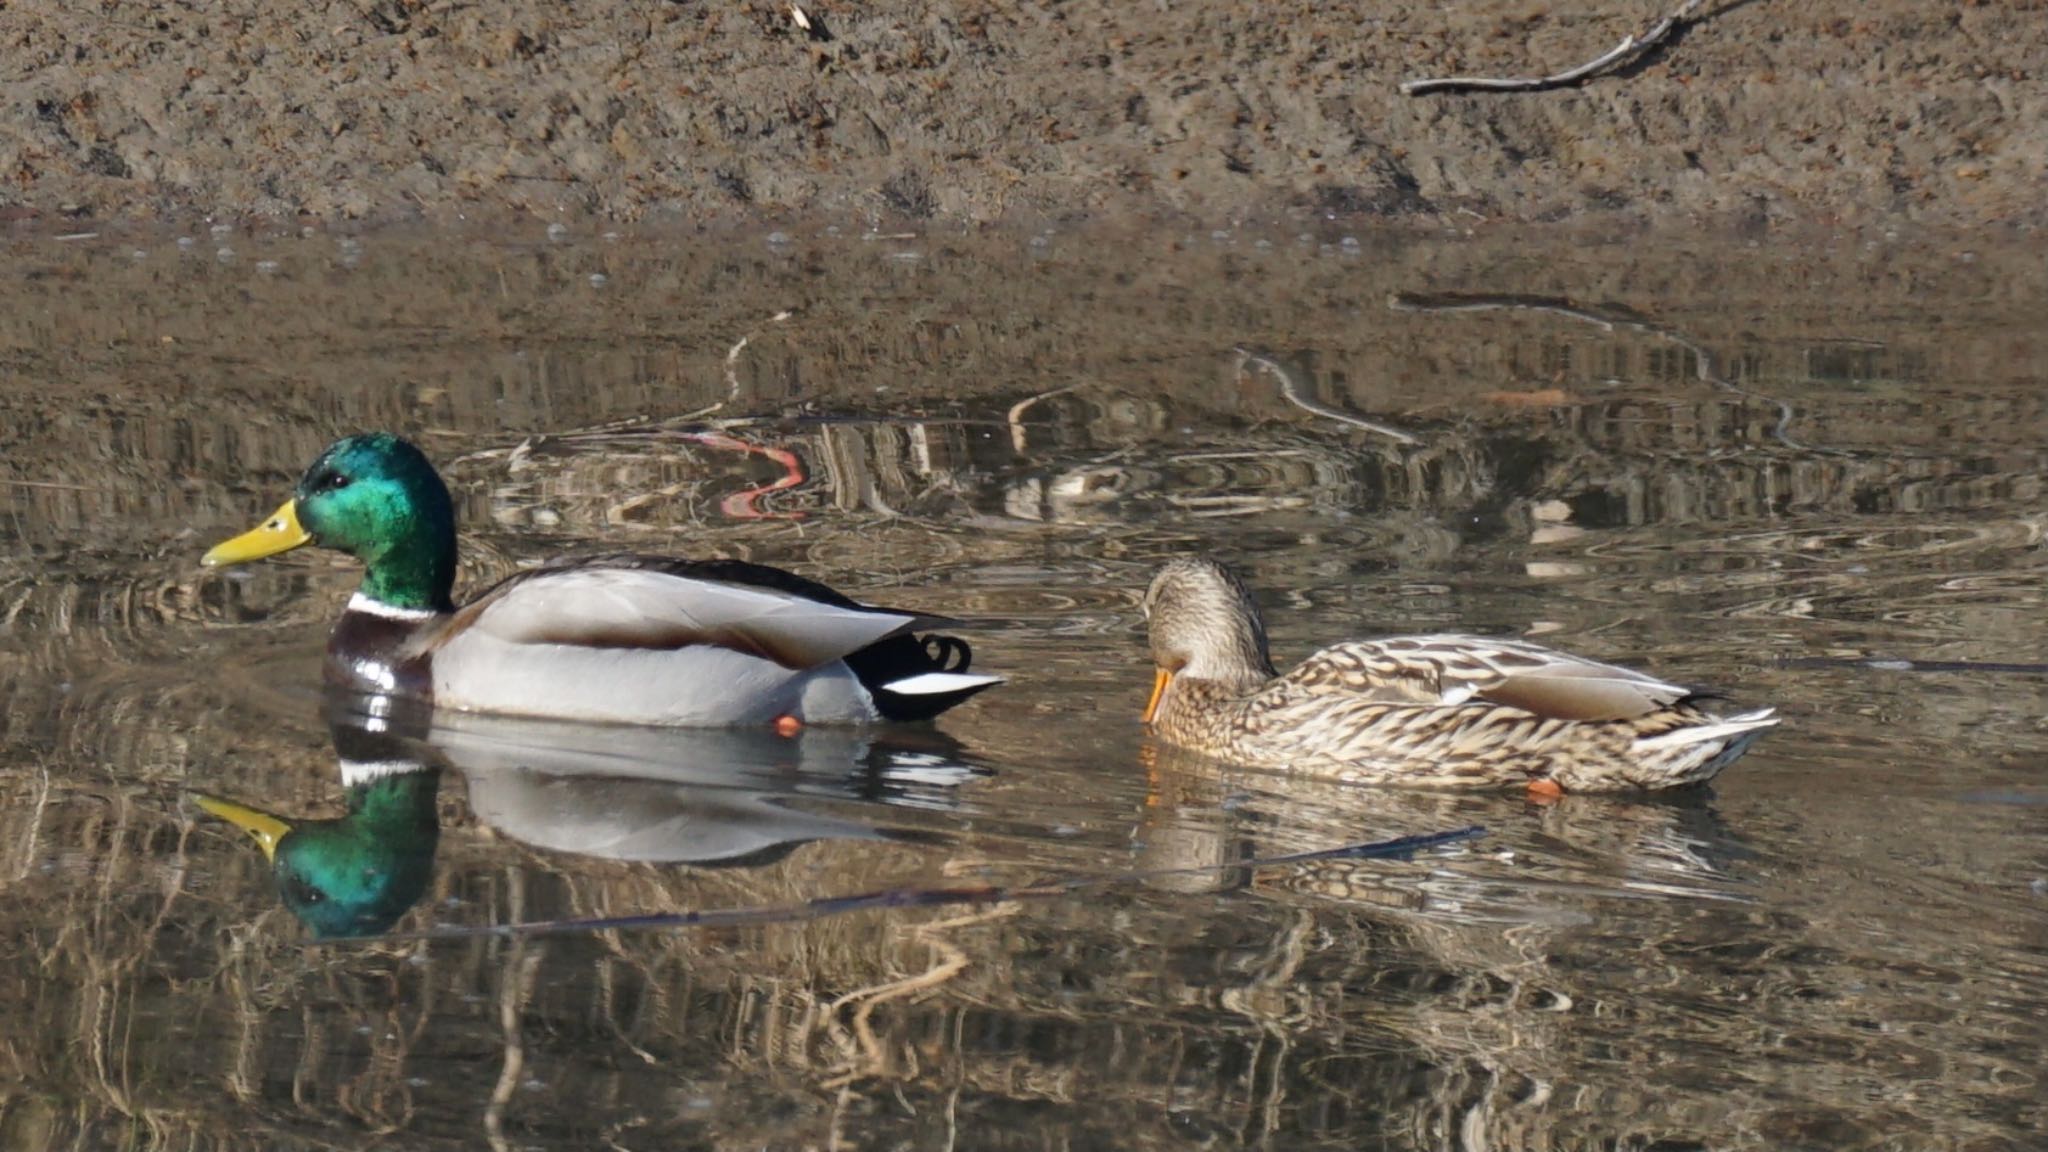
[
  {"x": 625, "y": 639},
  {"x": 1433, "y": 711}
]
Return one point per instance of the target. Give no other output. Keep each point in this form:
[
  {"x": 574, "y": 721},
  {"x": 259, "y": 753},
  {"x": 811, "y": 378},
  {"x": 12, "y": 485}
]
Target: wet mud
[{"x": 1750, "y": 115}]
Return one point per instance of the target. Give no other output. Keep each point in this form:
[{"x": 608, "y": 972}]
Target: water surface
[{"x": 1811, "y": 474}]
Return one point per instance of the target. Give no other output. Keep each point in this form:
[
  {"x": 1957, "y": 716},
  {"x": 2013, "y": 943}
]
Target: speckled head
[{"x": 1203, "y": 623}]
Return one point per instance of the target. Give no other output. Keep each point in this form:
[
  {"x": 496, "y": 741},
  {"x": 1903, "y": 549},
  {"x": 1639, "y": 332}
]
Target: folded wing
[
  {"x": 646, "y": 608},
  {"x": 1453, "y": 670}
]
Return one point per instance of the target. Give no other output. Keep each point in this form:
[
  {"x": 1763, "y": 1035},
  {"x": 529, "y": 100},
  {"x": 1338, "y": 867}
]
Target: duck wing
[
  {"x": 656, "y": 603},
  {"x": 1447, "y": 671}
]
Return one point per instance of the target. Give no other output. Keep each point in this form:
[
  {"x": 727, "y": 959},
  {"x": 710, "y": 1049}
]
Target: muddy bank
[{"x": 1757, "y": 114}]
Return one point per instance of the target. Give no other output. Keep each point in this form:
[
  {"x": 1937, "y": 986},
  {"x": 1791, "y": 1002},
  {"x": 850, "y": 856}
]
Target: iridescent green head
[
  {"x": 355, "y": 875},
  {"x": 377, "y": 498}
]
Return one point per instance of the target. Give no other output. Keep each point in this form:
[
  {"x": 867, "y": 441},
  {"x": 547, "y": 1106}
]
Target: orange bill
[{"x": 1160, "y": 679}]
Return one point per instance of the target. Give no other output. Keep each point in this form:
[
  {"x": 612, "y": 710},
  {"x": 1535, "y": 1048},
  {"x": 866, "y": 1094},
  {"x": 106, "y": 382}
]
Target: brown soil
[{"x": 1756, "y": 113}]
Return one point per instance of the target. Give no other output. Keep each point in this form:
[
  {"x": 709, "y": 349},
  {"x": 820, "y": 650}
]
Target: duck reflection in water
[
  {"x": 354, "y": 874},
  {"x": 710, "y": 798},
  {"x": 1539, "y": 864}
]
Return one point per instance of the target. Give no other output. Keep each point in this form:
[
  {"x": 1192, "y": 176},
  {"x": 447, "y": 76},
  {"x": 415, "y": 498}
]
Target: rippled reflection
[
  {"x": 658, "y": 796},
  {"x": 1811, "y": 475}
]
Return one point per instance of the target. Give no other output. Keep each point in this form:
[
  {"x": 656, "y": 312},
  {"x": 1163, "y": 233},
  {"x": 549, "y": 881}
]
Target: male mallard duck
[
  {"x": 627, "y": 639},
  {"x": 1434, "y": 711}
]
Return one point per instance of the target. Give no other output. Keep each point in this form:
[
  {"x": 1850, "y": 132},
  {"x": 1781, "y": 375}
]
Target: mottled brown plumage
[{"x": 1432, "y": 711}]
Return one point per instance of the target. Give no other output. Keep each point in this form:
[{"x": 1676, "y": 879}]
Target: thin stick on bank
[{"x": 1630, "y": 48}]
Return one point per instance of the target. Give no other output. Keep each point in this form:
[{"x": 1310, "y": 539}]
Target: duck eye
[{"x": 334, "y": 482}]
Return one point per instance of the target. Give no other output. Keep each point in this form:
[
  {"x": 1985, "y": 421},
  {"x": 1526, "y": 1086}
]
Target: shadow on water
[{"x": 1796, "y": 474}]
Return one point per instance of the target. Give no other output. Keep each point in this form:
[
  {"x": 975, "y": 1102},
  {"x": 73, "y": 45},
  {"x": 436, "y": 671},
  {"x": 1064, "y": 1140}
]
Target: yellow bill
[
  {"x": 280, "y": 533},
  {"x": 267, "y": 829}
]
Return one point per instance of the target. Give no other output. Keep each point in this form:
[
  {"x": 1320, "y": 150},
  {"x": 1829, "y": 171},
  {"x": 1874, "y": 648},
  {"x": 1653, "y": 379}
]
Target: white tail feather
[
  {"x": 938, "y": 683},
  {"x": 1723, "y": 729}
]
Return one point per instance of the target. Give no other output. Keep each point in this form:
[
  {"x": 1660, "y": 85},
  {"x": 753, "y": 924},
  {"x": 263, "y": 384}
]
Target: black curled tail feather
[
  {"x": 942, "y": 651},
  {"x": 905, "y": 655}
]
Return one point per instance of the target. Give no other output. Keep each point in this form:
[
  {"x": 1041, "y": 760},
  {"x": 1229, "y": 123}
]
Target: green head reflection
[{"x": 356, "y": 874}]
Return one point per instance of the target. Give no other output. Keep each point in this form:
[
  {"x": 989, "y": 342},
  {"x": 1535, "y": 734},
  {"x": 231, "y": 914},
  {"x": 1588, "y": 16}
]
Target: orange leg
[
  {"x": 788, "y": 726},
  {"x": 1545, "y": 791}
]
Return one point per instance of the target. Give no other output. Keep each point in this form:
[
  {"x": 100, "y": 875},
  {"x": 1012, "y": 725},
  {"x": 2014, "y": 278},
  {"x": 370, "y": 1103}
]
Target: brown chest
[{"x": 378, "y": 654}]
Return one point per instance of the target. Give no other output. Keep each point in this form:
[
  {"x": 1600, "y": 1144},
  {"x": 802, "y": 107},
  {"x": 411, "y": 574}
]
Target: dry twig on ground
[{"x": 1630, "y": 48}]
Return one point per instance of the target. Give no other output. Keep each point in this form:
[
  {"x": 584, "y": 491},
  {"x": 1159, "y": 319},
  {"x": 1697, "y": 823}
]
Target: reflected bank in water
[{"x": 1745, "y": 467}]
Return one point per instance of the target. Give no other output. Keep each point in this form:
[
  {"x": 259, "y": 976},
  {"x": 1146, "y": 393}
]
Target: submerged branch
[
  {"x": 1886, "y": 664},
  {"x": 1608, "y": 319},
  {"x": 1291, "y": 391},
  {"x": 1630, "y": 48},
  {"x": 732, "y": 367}
]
